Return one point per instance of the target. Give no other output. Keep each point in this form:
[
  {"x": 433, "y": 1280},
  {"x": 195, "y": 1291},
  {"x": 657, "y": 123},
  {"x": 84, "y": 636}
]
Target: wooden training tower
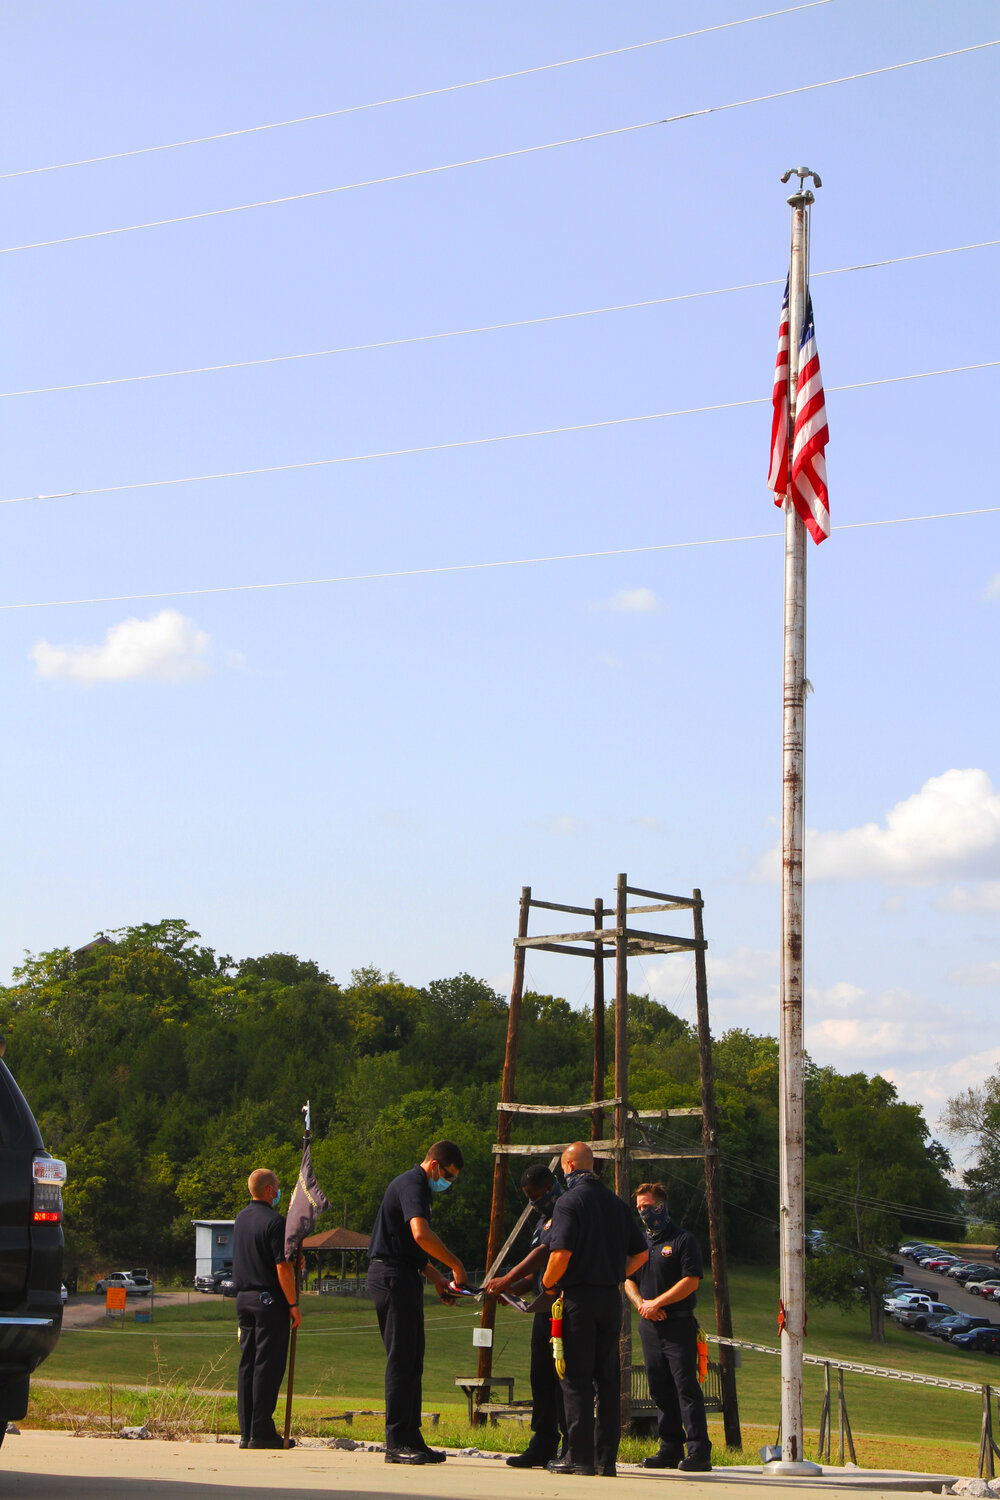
[{"x": 627, "y": 1142}]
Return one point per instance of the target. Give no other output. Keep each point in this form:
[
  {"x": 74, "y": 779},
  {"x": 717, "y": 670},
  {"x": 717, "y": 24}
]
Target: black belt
[{"x": 396, "y": 1265}]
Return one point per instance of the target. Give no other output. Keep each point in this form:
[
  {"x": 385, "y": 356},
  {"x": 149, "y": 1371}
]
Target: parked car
[
  {"x": 957, "y": 1271},
  {"x": 212, "y": 1282},
  {"x": 917, "y": 1248},
  {"x": 31, "y": 1249},
  {"x": 894, "y": 1305},
  {"x": 128, "y": 1281},
  {"x": 938, "y": 1262},
  {"x": 960, "y": 1323},
  {"x": 985, "y": 1340},
  {"x": 977, "y": 1274},
  {"x": 984, "y": 1288},
  {"x": 921, "y": 1318}
]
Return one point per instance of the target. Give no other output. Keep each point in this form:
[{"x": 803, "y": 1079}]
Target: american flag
[{"x": 811, "y": 435}]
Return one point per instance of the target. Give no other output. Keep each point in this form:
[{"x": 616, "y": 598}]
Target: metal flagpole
[
  {"x": 290, "y": 1383},
  {"x": 791, "y": 1092}
]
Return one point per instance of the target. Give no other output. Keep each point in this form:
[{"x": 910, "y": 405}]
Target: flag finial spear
[{"x": 308, "y": 1117}]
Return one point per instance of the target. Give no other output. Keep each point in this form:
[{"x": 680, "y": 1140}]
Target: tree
[
  {"x": 974, "y": 1116},
  {"x": 880, "y": 1169}
]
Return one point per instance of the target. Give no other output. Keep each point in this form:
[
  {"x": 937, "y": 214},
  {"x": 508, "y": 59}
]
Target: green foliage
[
  {"x": 164, "y": 1073},
  {"x": 876, "y": 1158}
]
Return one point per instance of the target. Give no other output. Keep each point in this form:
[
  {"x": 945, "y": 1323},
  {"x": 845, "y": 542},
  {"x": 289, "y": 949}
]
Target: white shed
[{"x": 213, "y": 1245}]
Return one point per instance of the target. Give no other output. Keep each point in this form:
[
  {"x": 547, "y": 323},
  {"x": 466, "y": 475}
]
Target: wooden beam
[
  {"x": 545, "y": 945},
  {"x": 652, "y": 1153},
  {"x": 558, "y": 1109},
  {"x": 662, "y": 1114},
  {"x": 592, "y": 935},
  {"x": 578, "y": 911},
  {"x": 636, "y": 890},
  {"x": 658, "y": 906},
  {"x": 549, "y": 1148},
  {"x": 635, "y": 934}
]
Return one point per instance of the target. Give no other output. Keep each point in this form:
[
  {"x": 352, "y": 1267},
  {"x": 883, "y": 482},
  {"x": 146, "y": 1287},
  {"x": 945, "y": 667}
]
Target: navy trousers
[
  {"x": 263, "y": 1352},
  {"x": 548, "y": 1422},
  {"x": 592, "y": 1318},
  {"x": 670, "y": 1350},
  {"x": 398, "y": 1295}
]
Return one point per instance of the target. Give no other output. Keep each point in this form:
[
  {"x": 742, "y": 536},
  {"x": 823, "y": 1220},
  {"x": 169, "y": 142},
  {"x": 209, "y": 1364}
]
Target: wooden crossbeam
[
  {"x": 577, "y": 911},
  {"x": 563, "y": 1109},
  {"x": 663, "y": 1114},
  {"x": 678, "y": 901},
  {"x": 604, "y": 1148},
  {"x": 660, "y": 942}
]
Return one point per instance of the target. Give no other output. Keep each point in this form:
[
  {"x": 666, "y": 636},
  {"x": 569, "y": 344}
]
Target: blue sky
[{"x": 368, "y": 772}]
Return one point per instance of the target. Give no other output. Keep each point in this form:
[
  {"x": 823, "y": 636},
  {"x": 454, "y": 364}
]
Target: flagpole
[
  {"x": 290, "y": 1383},
  {"x": 790, "y": 1059}
]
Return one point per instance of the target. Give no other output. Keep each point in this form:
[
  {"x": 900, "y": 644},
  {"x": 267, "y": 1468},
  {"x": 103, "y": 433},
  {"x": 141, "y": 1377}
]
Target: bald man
[
  {"x": 266, "y": 1305},
  {"x": 594, "y": 1244}
]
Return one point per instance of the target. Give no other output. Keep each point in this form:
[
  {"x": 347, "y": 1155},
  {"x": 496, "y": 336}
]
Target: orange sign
[{"x": 115, "y": 1299}]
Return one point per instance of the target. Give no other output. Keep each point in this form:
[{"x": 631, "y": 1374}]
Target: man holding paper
[{"x": 402, "y": 1243}]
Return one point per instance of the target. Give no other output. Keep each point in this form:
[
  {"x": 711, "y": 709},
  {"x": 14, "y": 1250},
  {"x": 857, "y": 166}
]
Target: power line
[
  {"x": 506, "y": 437},
  {"x": 451, "y": 88},
  {"x": 475, "y": 161},
  {"x": 454, "y": 333},
  {"x": 514, "y": 562}
]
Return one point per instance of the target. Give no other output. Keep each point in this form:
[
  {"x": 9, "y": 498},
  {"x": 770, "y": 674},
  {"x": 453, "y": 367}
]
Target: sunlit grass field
[{"x": 340, "y": 1366}]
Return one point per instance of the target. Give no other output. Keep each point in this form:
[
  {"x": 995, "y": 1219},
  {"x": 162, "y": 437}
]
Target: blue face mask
[
  {"x": 276, "y": 1199},
  {"x": 577, "y": 1176},
  {"x": 544, "y": 1205},
  {"x": 441, "y": 1185},
  {"x": 654, "y": 1219}
]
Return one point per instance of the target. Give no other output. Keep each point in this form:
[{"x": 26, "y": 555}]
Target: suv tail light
[{"x": 49, "y": 1176}]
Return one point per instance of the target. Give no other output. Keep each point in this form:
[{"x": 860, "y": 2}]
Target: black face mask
[{"x": 655, "y": 1218}]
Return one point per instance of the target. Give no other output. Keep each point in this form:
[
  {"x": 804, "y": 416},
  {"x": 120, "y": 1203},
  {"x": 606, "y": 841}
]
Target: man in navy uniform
[
  {"x": 548, "y": 1423},
  {"x": 594, "y": 1244},
  {"x": 266, "y": 1305},
  {"x": 402, "y": 1243},
  {"x": 664, "y": 1295}
]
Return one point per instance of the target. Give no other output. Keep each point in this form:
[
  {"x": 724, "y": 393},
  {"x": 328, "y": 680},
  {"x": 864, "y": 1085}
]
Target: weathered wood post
[
  {"x": 713, "y": 1188},
  {"x": 622, "y": 1164},
  {"x": 484, "y": 1366}
]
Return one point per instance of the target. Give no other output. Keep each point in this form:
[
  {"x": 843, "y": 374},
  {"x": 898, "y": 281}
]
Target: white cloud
[
  {"x": 976, "y": 974},
  {"x": 564, "y": 826},
  {"x": 982, "y": 897},
  {"x": 864, "y": 1028},
  {"x": 992, "y": 589},
  {"x": 950, "y": 827},
  {"x": 168, "y": 647},
  {"x": 633, "y": 601}
]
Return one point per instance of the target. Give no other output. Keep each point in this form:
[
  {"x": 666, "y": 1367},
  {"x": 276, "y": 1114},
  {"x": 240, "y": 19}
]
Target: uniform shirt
[
  {"x": 599, "y": 1230},
  {"x": 673, "y": 1254},
  {"x": 258, "y": 1245},
  {"x": 407, "y": 1197},
  {"x": 541, "y": 1236}
]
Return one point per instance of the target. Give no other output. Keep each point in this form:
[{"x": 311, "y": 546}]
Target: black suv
[{"x": 31, "y": 1249}]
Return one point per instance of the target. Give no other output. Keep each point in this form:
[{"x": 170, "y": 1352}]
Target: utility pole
[{"x": 791, "y": 1088}]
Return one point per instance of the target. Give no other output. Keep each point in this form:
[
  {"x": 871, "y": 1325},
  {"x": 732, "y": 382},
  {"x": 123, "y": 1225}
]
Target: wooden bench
[{"x": 473, "y": 1384}]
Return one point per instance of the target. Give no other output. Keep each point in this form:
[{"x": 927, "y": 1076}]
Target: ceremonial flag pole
[
  {"x": 307, "y": 1203},
  {"x": 798, "y": 479}
]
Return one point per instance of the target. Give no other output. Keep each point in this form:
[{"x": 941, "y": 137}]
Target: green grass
[{"x": 340, "y": 1365}]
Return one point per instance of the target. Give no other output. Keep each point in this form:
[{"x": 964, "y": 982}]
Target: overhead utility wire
[
  {"x": 505, "y": 437},
  {"x": 455, "y": 333},
  {"x": 475, "y": 161},
  {"x": 450, "y": 88},
  {"x": 672, "y": 1137},
  {"x": 479, "y": 567}
]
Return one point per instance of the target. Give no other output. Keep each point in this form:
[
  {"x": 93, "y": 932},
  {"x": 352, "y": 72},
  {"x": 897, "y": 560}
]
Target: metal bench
[{"x": 644, "y": 1410}]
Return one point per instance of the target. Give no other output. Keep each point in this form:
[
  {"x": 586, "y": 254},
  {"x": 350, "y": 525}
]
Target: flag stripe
[{"x": 807, "y": 481}]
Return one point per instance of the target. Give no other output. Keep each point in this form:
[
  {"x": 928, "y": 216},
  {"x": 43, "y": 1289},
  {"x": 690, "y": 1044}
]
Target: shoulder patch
[{"x": 547, "y": 1224}]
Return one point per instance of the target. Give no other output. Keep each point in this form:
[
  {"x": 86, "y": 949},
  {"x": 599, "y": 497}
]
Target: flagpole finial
[
  {"x": 803, "y": 197},
  {"x": 308, "y": 1116}
]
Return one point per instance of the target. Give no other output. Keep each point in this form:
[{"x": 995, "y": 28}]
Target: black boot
[
  {"x": 535, "y": 1456},
  {"x": 698, "y": 1461},
  {"x": 668, "y": 1456}
]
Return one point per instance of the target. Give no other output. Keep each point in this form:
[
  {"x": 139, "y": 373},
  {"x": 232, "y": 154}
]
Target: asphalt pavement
[{"x": 943, "y": 1289}]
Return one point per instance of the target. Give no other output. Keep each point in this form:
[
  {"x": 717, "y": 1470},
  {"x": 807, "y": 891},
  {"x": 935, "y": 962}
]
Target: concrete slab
[{"x": 59, "y": 1466}]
